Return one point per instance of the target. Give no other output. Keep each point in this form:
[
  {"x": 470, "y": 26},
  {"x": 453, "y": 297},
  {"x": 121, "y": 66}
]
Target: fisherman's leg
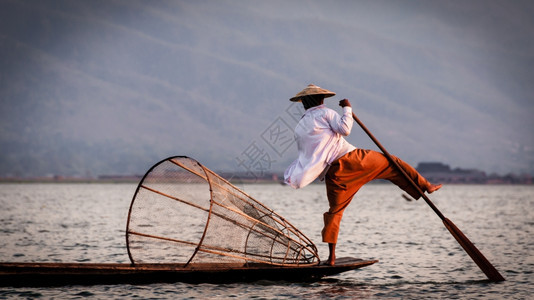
[
  {"x": 332, "y": 221},
  {"x": 337, "y": 202},
  {"x": 331, "y": 254},
  {"x": 343, "y": 180},
  {"x": 340, "y": 191},
  {"x": 392, "y": 174},
  {"x": 332, "y": 218}
]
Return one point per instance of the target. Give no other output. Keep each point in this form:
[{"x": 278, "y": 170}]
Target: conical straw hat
[{"x": 312, "y": 89}]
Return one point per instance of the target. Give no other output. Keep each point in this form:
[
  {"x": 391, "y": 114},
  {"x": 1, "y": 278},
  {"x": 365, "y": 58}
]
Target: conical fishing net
[{"x": 183, "y": 212}]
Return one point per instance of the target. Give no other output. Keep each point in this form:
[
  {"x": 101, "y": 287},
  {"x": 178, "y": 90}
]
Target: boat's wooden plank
[{"x": 46, "y": 274}]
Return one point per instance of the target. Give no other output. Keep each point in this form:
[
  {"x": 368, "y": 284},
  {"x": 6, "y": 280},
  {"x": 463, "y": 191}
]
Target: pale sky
[{"x": 100, "y": 87}]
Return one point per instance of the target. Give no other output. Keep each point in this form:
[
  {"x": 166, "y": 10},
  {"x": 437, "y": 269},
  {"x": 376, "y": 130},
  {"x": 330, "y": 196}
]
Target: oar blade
[{"x": 476, "y": 255}]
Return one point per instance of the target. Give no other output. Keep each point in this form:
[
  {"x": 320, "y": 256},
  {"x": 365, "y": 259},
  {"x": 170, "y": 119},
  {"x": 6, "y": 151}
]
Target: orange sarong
[{"x": 350, "y": 172}]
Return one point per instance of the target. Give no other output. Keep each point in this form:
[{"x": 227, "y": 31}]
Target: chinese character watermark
[
  {"x": 257, "y": 160},
  {"x": 279, "y": 136}
]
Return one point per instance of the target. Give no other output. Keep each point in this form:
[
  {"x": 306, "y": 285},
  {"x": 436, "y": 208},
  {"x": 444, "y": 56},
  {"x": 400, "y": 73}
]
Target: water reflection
[{"x": 418, "y": 256}]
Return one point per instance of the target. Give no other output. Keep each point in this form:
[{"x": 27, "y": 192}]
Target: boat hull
[{"x": 57, "y": 274}]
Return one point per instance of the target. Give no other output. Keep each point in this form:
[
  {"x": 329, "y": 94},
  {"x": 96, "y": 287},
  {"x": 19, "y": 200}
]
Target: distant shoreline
[
  {"x": 245, "y": 181},
  {"x": 436, "y": 172}
]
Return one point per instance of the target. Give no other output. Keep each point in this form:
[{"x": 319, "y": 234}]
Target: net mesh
[{"x": 183, "y": 212}]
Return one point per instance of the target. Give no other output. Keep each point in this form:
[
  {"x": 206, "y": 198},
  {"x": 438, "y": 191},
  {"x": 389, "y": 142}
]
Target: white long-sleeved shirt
[{"x": 319, "y": 135}]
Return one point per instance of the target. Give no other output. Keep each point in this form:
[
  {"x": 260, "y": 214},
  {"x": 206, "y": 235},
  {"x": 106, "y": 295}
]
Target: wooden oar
[{"x": 476, "y": 255}]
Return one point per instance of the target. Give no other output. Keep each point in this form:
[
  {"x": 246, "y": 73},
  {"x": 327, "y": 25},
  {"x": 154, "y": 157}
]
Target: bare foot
[
  {"x": 331, "y": 261},
  {"x": 433, "y": 187}
]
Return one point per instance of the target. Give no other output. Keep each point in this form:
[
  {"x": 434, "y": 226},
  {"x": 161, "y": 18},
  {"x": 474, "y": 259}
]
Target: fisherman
[{"x": 324, "y": 153}]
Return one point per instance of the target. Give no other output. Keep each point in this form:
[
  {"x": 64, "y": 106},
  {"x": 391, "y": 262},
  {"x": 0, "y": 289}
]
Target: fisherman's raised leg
[{"x": 392, "y": 174}]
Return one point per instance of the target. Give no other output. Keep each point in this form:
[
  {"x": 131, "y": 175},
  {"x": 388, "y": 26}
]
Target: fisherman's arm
[{"x": 343, "y": 124}]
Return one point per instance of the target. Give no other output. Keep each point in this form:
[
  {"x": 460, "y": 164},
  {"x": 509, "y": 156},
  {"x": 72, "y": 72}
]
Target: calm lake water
[{"x": 418, "y": 256}]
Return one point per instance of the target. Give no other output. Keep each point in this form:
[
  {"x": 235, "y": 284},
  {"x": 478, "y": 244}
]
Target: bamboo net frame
[{"x": 185, "y": 213}]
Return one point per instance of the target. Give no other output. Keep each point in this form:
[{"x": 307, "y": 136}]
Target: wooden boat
[
  {"x": 57, "y": 274},
  {"x": 186, "y": 223}
]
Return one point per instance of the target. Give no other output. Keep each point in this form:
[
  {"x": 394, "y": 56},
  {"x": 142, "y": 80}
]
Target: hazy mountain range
[{"x": 111, "y": 87}]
